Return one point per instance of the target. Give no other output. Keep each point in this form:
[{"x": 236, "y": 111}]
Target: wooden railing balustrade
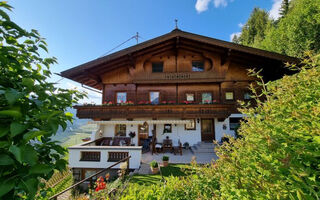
[
  {"x": 116, "y": 156},
  {"x": 155, "y": 111},
  {"x": 90, "y": 156}
]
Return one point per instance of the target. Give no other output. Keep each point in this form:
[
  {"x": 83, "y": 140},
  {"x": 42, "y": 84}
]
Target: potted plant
[
  {"x": 154, "y": 167},
  {"x": 165, "y": 160}
]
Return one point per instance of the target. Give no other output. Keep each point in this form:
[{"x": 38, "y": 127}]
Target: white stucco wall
[
  {"x": 178, "y": 132},
  {"x": 75, "y": 155}
]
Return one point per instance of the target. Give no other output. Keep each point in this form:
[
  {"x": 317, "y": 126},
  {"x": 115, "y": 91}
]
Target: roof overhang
[{"x": 89, "y": 73}]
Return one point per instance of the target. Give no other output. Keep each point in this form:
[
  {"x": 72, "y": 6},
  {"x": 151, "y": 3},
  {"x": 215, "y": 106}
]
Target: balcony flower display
[
  {"x": 107, "y": 103},
  {"x": 188, "y": 102},
  {"x": 171, "y": 102},
  {"x": 125, "y": 103},
  {"x": 164, "y": 102},
  {"x": 144, "y": 102}
]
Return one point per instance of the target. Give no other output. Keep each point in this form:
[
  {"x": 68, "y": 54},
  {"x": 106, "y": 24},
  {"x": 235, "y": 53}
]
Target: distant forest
[{"x": 296, "y": 30}]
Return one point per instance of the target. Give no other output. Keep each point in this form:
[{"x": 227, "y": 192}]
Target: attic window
[
  {"x": 157, "y": 67},
  {"x": 197, "y": 66}
]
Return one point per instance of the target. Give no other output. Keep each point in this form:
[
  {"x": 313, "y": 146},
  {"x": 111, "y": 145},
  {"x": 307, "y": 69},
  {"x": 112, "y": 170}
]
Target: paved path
[{"x": 186, "y": 157}]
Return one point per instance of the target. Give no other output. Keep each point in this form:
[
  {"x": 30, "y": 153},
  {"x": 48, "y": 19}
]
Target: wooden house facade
[{"x": 181, "y": 85}]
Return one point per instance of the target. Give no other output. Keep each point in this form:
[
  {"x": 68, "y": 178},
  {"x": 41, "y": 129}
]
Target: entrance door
[{"x": 207, "y": 130}]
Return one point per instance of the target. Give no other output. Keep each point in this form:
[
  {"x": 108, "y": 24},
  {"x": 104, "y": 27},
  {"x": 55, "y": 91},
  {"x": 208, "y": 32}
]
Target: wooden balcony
[{"x": 103, "y": 112}]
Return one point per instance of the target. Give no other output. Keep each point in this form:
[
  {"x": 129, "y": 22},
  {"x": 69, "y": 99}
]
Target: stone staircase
[{"x": 203, "y": 147}]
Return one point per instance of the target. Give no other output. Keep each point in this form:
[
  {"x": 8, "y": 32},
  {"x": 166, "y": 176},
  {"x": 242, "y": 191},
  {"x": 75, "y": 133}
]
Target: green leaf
[
  {"x": 6, "y": 160},
  {"x": 11, "y": 113},
  {"x": 29, "y": 155},
  {"x": 6, "y": 186},
  {"x": 32, "y": 186},
  {"x": 40, "y": 169},
  {"x": 12, "y": 95},
  {"x": 16, "y": 151},
  {"x": 29, "y": 82},
  {"x": 69, "y": 114},
  {"x": 61, "y": 164},
  {"x": 4, "y": 130},
  {"x": 32, "y": 134},
  {"x": 4, "y": 144},
  {"x": 17, "y": 128},
  {"x": 54, "y": 126}
]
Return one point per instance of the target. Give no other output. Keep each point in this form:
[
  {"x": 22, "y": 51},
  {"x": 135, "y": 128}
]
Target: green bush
[
  {"x": 153, "y": 164},
  {"x": 165, "y": 158}
]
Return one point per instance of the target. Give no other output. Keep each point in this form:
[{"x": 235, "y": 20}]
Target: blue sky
[{"x": 78, "y": 31}]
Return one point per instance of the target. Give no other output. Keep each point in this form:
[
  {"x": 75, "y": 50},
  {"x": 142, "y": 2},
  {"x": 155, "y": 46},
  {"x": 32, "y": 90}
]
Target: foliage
[
  {"x": 284, "y": 8},
  {"x": 153, "y": 164},
  {"x": 165, "y": 158},
  {"x": 31, "y": 110},
  {"x": 277, "y": 157},
  {"x": 297, "y": 31},
  {"x": 254, "y": 30}
]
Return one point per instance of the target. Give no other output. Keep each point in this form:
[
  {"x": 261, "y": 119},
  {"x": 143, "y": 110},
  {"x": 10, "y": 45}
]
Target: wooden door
[{"x": 207, "y": 130}]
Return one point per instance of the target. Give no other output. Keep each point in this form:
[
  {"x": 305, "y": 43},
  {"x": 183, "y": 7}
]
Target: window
[
  {"x": 234, "y": 123},
  {"x": 157, "y": 67},
  {"x": 121, "y": 97},
  {"x": 197, "y": 66},
  {"x": 154, "y": 97},
  {"x": 229, "y": 95},
  {"x": 190, "y": 97},
  {"x": 206, "y": 97},
  {"x": 120, "y": 130},
  {"x": 247, "y": 96},
  {"x": 167, "y": 128},
  {"x": 191, "y": 125}
]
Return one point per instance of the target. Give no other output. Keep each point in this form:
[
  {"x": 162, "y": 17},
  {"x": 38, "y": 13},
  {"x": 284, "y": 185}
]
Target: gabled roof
[{"x": 85, "y": 75}]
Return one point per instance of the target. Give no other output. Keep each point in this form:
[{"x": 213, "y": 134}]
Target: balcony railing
[{"x": 156, "y": 111}]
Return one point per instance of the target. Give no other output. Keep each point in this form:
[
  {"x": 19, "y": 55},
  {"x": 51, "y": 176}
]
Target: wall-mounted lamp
[
  {"x": 198, "y": 120},
  {"x": 175, "y": 124}
]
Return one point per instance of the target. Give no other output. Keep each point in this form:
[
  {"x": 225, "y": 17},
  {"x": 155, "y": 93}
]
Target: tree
[
  {"x": 284, "y": 8},
  {"x": 297, "y": 32},
  {"x": 254, "y": 30},
  {"x": 31, "y": 110}
]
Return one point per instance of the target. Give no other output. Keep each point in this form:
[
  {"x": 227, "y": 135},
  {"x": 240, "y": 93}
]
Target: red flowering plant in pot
[{"x": 100, "y": 189}]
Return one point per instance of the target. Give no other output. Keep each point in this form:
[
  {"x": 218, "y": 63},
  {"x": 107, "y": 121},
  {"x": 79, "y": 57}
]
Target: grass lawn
[{"x": 171, "y": 170}]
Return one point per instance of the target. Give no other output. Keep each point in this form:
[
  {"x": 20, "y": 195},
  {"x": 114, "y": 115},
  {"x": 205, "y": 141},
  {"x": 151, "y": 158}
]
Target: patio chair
[
  {"x": 177, "y": 147},
  {"x": 156, "y": 147},
  {"x": 167, "y": 145}
]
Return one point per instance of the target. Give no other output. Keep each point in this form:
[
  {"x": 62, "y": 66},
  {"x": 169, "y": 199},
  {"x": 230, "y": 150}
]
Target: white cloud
[
  {"x": 240, "y": 25},
  {"x": 202, "y": 5},
  {"x": 233, "y": 34},
  {"x": 274, "y": 12},
  {"x": 218, "y": 3}
]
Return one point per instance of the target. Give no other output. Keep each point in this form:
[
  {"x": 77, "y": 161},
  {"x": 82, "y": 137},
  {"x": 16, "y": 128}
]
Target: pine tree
[{"x": 284, "y": 8}]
